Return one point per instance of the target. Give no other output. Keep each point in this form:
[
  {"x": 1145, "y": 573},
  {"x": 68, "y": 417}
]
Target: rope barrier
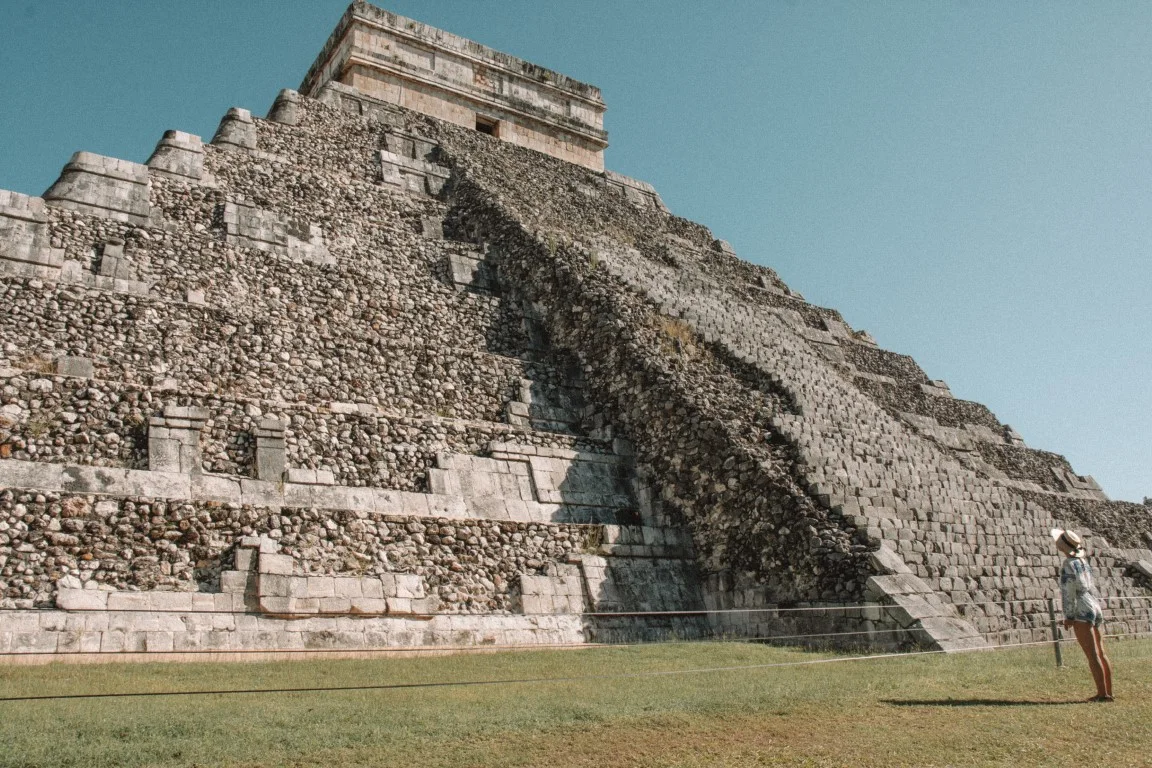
[
  {"x": 431, "y": 649},
  {"x": 466, "y": 648},
  {"x": 511, "y": 681}
]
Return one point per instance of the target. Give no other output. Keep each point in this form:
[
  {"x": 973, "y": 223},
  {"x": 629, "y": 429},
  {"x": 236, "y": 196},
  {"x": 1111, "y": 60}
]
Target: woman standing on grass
[{"x": 1082, "y": 613}]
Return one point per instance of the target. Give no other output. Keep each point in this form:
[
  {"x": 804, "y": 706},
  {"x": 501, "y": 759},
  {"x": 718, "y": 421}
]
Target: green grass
[{"x": 1004, "y": 708}]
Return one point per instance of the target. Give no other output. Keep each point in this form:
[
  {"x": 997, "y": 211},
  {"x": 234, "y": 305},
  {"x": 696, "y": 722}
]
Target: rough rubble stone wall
[
  {"x": 145, "y": 543},
  {"x": 62, "y": 419}
]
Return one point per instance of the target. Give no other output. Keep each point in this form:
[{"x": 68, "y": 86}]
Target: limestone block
[
  {"x": 234, "y": 581},
  {"x": 80, "y": 367},
  {"x": 489, "y": 508},
  {"x": 400, "y": 605},
  {"x": 936, "y": 388},
  {"x": 276, "y": 564},
  {"x": 129, "y": 601},
  {"x": 179, "y": 154},
  {"x": 536, "y": 604},
  {"x": 952, "y": 634},
  {"x": 277, "y": 604},
  {"x": 297, "y": 604},
  {"x": 470, "y": 271},
  {"x": 275, "y": 585},
  {"x": 349, "y": 587},
  {"x": 368, "y": 605},
  {"x": 237, "y": 130},
  {"x": 388, "y": 584},
  {"x": 432, "y": 227},
  {"x": 81, "y": 599},
  {"x": 911, "y": 608},
  {"x": 320, "y": 586},
  {"x": 174, "y": 440},
  {"x": 896, "y": 584},
  {"x": 103, "y": 186},
  {"x": 305, "y": 243},
  {"x": 408, "y": 503},
  {"x": 114, "y": 264},
  {"x": 409, "y": 585},
  {"x": 444, "y": 482},
  {"x": 286, "y": 108},
  {"x": 169, "y": 601},
  {"x": 271, "y": 456},
  {"x": 887, "y": 562},
  {"x": 260, "y": 493},
  {"x": 300, "y": 476},
  {"x": 335, "y": 604}
]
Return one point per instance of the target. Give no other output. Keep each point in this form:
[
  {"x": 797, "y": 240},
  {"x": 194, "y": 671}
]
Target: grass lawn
[{"x": 1003, "y": 708}]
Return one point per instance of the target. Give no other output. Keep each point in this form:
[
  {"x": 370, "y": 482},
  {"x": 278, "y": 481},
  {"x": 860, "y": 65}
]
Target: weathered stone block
[
  {"x": 81, "y": 600},
  {"x": 369, "y": 605},
  {"x": 286, "y": 108},
  {"x": 234, "y": 581},
  {"x": 80, "y": 367},
  {"x": 335, "y": 604},
  {"x": 276, "y": 564},
  {"x": 320, "y": 586},
  {"x": 349, "y": 587},
  {"x": 237, "y": 130},
  {"x": 179, "y": 154},
  {"x": 277, "y": 604},
  {"x": 399, "y": 605},
  {"x": 300, "y": 476},
  {"x": 103, "y": 186},
  {"x": 887, "y": 562}
]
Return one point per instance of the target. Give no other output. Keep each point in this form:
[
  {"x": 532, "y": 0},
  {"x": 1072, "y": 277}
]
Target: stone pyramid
[{"x": 401, "y": 364}]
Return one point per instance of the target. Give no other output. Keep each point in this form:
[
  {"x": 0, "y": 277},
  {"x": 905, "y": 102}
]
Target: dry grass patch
[{"x": 1005, "y": 708}]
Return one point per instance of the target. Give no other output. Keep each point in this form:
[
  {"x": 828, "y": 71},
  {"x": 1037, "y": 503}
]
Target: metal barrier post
[{"x": 1055, "y": 632}]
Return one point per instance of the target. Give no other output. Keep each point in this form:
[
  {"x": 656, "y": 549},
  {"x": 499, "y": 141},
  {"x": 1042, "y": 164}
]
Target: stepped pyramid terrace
[{"x": 402, "y": 364}]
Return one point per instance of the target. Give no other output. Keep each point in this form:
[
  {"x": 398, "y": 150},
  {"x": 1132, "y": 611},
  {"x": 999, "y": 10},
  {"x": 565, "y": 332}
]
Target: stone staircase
[{"x": 968, "y": 538}]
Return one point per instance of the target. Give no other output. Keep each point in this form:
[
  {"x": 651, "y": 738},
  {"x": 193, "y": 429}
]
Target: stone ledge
[{"x": 630, "y": 541}]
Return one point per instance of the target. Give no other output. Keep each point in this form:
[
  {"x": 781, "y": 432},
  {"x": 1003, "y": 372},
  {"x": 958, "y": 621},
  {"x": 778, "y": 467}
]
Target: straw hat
[{"x": 1071, "y": 539}]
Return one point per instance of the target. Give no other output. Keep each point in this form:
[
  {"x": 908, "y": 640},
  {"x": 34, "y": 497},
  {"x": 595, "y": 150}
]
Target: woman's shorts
[{"x": 1090, "y": 616}]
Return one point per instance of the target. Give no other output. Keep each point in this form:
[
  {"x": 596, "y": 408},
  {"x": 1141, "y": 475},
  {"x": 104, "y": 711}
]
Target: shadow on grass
[{"x": 975, "y": 703}]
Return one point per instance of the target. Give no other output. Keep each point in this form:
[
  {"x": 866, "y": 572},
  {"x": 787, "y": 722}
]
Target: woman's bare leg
[
  {"x": 1086, "y": 636},
  {"x": 1104, "y": 662}
]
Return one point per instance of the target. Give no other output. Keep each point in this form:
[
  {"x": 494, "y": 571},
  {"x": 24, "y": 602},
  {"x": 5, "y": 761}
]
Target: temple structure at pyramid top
[{"x": 428, "y": 70}]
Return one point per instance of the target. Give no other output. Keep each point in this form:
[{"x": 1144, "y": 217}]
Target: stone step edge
[
  {"x": 912, "y": 604},
  {"x": 617, "y": 540}
]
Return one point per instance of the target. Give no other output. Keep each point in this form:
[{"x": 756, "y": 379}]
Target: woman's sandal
[{"x": 1101, "y": 698}]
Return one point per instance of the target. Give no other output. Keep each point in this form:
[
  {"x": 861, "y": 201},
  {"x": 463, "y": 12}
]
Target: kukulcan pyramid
[{"x": 401, "y": 364}]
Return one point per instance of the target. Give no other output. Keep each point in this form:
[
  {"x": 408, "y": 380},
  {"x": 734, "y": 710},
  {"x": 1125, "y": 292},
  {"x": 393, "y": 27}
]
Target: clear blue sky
[{"x": 969, "y": 181}]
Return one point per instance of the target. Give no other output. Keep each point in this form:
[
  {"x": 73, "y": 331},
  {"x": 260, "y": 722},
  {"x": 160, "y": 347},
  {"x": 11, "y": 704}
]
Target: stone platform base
[{"x": 200, "y": 635}]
